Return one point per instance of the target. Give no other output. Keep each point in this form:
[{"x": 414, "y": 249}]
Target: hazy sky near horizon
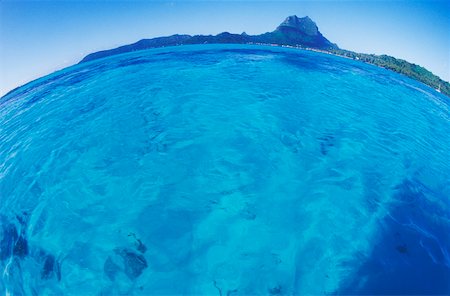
[{"x": 39, "y": 37}]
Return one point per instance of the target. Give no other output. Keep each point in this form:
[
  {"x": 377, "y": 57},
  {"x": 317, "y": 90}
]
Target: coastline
[{"x": 360, "y": 60}]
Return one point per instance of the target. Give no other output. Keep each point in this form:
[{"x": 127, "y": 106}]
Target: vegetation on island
[{"x": 400, "y": 66}]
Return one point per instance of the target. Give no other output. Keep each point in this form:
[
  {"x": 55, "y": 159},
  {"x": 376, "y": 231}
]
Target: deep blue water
[{"x": 224, "y": 170}]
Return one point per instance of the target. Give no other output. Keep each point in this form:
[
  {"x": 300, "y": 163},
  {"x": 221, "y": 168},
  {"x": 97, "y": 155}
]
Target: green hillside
[{"x": 400, "y": 66}]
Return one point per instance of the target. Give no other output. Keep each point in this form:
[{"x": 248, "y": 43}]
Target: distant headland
[{"x": 294, "y": 32}]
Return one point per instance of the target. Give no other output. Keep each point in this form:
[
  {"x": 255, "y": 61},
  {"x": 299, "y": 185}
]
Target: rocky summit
[{"x": 303, "y": 25}]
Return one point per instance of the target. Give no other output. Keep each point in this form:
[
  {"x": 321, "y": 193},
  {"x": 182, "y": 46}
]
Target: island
[{"x": 293, "y": 32}]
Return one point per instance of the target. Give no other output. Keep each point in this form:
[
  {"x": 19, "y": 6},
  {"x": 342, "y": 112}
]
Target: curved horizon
[{"x": 10, "y": 92}]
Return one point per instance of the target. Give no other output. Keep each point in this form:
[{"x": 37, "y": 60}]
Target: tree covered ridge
[{"x": 411, "y": 70}]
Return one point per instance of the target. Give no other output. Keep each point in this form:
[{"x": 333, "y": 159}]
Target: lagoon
[{"x": 224, "y": 169}]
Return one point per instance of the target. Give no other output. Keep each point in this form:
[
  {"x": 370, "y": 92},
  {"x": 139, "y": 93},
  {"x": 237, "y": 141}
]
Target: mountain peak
[
  {"x": 293, "y": 31},
  {"x": 304, "y": 25}
]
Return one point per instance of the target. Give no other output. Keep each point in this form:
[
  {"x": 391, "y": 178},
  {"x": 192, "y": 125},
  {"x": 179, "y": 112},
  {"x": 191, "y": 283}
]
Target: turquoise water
[{"x": 224, "y": 170}]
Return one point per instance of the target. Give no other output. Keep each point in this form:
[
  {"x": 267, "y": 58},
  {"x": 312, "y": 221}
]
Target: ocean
[{"x": 224, "y": 170}]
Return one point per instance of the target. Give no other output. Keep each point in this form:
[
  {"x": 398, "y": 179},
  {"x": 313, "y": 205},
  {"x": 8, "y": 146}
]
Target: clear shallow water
[{"x": 224, "y": 170}]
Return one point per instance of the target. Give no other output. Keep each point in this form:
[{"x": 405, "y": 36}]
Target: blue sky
[{"x": 39, "y": 37}]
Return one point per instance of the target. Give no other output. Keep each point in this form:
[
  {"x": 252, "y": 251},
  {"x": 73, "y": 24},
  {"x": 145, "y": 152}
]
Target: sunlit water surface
[{"x": 224, "y": 170}]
